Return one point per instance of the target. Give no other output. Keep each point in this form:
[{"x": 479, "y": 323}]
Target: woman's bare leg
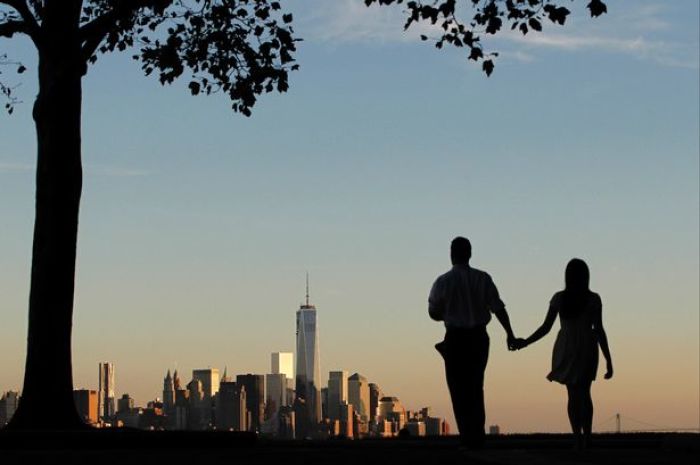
[
  {"x": 574, "y": 411},
  {"x": 586, "y": 413}
]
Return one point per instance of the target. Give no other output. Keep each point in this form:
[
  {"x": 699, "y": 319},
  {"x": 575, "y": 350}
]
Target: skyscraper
[
  {"x": 255, "y": 398},
  {"x": 210, "y": 381},
  {"x": 390, "y": 409},
  {"x": 283, "y": 363},
  {"x": 375, "y": 393},
  {"x": 358, "y": 395},
  {"x": 197, "y": 418},
  {"x": 182, "y": 406},
  {"x": 276, "y": 396},
  {"x": 346, "y": 417},
  {"x": 105, "y": 393},
  {"x": 125, "y": 404},
  {"x": 231, "y": 407},
  {"x": 168, "y": 394},
  {"x": 85, "y": 403},
  {"x": 308, "y": 372},
  {"x": 176, "y": 381},
  {"x": 337, "y": 393}
]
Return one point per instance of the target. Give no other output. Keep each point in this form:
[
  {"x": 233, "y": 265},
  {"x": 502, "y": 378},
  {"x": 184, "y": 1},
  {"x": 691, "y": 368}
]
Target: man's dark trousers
[{"x": 466, "y": 353}]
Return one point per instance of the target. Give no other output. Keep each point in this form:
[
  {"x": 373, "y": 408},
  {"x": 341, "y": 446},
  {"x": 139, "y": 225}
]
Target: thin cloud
[
  {"x": 115, "y": 172},
  {"x": 350, "y": 21},
  {"x": 16, "y": 167},
  {"x": 647, "y": 18},
  {"x": 515, "y": 55},
  {"x": 571, "y": 42},
  {"x": 90, "y": 170},
  {"x": 664, "y": 53}
]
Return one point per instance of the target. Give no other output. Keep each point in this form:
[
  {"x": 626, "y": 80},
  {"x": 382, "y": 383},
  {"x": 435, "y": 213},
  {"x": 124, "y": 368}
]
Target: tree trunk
[{"x": 47, "y": 397}]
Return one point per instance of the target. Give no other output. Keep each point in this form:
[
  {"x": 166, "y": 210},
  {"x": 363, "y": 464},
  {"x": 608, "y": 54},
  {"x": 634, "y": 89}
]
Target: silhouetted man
[{"x": 464, "y": 298}]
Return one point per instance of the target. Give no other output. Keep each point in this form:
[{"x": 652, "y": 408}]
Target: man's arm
[
  {"x": 498, "y": 308},
  {"x": 502, "y": 316}
]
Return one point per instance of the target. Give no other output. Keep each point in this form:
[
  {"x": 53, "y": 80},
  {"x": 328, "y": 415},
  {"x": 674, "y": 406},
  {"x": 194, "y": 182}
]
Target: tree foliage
[
  {"x": 487, "y": 17},
  {"x": 242, "y": 48}
]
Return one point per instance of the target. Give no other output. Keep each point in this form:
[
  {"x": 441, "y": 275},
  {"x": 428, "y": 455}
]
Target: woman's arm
[
  {"x": 543, "y": 330},
  {"x": 603, "y": 340}
]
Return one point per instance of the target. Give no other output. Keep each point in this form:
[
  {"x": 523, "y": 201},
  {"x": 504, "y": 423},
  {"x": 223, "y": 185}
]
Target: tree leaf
[
  {"x": 597, "y": 8},
  {"x": 487, "y": 67},
  {"x": 535, "y": 24}
]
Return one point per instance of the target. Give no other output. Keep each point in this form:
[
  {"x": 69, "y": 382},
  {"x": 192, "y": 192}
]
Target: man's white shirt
[{"x": 464, "y": 297}]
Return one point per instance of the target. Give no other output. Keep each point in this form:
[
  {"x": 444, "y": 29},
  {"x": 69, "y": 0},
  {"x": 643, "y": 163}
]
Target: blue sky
[{"x": 198, "y": 224}]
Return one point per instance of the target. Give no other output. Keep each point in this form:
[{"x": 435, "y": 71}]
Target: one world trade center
[{"x": 308, "y": 370}]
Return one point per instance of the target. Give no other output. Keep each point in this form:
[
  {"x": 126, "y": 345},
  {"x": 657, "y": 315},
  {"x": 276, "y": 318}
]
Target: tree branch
[
  {"x": 12, "y": 27},
  {"x": 93, "y": 32},
  {"x": 31, "y": 27}
]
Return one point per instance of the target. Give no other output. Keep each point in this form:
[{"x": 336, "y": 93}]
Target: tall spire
[{"x": 307, "y": 304}]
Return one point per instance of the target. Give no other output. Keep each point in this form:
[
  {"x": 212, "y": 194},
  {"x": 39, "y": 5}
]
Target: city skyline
[
  {"x": 254, "y": 402},
  {"x": 197, "y": 225},
  {"x": 352, "y": 407}
]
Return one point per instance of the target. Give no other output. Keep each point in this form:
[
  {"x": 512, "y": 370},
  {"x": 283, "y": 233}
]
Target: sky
[{"x": 198, "y": 225}]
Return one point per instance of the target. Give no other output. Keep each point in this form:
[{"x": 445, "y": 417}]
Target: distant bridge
[{"x": 614, "y": 424}]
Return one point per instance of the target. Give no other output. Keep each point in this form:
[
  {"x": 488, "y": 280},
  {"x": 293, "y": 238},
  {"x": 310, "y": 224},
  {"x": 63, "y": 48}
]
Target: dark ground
[{"x": 123, "y": 447}]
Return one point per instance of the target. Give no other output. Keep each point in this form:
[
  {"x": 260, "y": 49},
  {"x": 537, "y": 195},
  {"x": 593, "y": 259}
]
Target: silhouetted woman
[{"x": 575, "y": 354}]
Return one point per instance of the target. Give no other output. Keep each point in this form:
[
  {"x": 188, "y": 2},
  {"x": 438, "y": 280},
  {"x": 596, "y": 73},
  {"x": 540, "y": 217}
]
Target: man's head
[{"x": 460, "y": 251}]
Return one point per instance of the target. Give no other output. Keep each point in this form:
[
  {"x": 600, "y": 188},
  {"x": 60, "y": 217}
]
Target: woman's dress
[{"x": 575, "y": 354}]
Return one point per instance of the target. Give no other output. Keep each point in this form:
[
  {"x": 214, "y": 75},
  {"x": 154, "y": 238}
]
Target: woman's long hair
[{"x": 576, "y": 293}]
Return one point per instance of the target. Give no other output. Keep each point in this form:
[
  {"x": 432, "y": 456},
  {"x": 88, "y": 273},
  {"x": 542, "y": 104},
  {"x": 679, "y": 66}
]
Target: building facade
[
  {"x": 209, "y": 377},
  {"x": 168, "y": 394},
  {"x": 106, "y": 403},
  {"x": 375, "y": 393},
  {"x": 196, "y": 411},
  {"x": 337, "y": 393},
  {"x": 255, "y": 398},
  {"x": 231, "y": 411},
  {"x": 308, "y": 369},
  {"x": 282, "y": 363},
  {"x": 358, "y": 395},
  {"x": 391, "y": 410},
  {"x": 86, "y": 404},
  {"x": 276, "y": 393},
  {"x": 125, "y": 403}
]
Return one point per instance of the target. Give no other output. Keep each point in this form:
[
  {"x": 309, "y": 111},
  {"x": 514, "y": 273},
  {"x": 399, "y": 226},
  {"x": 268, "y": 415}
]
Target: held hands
[{"x": 516, "y": 343}]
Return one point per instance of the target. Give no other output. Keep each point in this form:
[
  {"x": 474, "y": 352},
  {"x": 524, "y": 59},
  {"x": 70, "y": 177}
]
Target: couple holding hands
[{"x": 464, "y": 299}]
